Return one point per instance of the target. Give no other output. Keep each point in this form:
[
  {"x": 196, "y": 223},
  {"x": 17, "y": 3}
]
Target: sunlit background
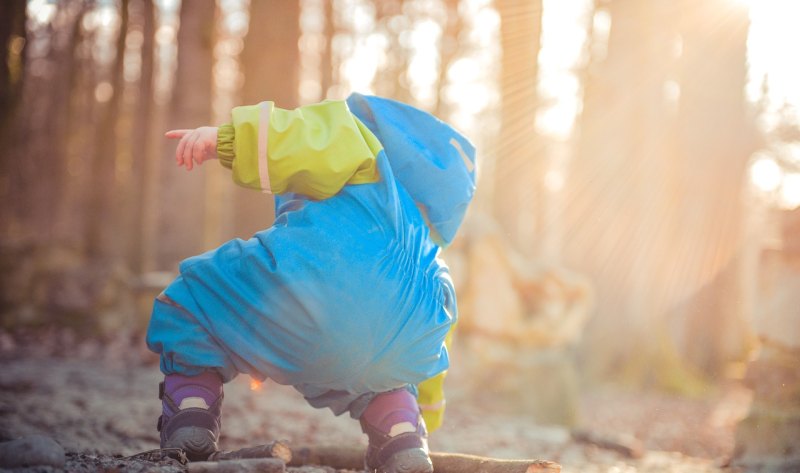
[{"x": 637, "y": 215}]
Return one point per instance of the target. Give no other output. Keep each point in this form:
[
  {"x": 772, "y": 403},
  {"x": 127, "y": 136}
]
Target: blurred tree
[
  {"x": 326, "y": 68},
  {"x": 141, "y": 256},
  {"x": 657, "y": 176},
  {"x": 102, "y": 241},
  {"x": 620, "y": 191},
  {"x": 391, "y": 79},
  {"x": 518, "y": 159},
  {"x": 37, "y": 132},
  {"x": 12, "y": 55},
  {"x": 716, "y": 136},
  {"x": 449, "y": 52},
  {"x": 271, "y": 64},
  {"x": 76, "y": 142},
  {"x": 183, "y": 200},
  {"x": 64, "y": 231},
  {"x": 13, "y": 36}
]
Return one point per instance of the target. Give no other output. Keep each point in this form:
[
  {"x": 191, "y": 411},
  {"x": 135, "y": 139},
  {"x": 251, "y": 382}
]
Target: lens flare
[{"x": 766, "y": 174}]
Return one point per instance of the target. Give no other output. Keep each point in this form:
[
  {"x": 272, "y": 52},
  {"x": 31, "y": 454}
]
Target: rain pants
[{"x": 345, "y": 295}]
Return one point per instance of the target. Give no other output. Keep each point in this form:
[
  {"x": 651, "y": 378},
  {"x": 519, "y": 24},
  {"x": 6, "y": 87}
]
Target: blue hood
[{"x": 432, "y": 161}]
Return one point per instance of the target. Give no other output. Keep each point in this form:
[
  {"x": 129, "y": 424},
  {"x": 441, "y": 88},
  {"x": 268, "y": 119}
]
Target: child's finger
[
  {"x": 200, "y": 152},
  {"x": 175, "y": 134},
  {"x": 191, "y": 140},
  {"x": 179, "y": 150},
  {"x": 197, "y": 152}
]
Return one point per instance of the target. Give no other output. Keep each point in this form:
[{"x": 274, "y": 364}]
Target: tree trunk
[
  {"x": 449, "y": 52},
  {"x": 13, "y": 36},
  {"x": 657, "y": 179},
  {"x": 77, "y": 142},
  {"x": 101, "y": 237},
  {"x": 140, "y": 252},
  {"x": 622, "y": 200},
  {"x": 326, "y": 67},
  {"x": 182, "y": 196},
  {"x": 391, "y": 79},
  {"x": 271, "y": 45},
  {"x": 36, "y": 138},
  {"x": 12, "y": 57},
  {"x": 716, "y": 136},
  {"x": 518, "y": 155}
]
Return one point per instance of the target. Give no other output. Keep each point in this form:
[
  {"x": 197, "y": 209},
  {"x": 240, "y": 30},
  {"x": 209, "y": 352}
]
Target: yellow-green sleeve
[{"x": 313, "y": 150}]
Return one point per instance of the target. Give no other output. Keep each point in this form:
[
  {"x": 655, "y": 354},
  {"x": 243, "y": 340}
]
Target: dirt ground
[{"x": 102, "y": 400}]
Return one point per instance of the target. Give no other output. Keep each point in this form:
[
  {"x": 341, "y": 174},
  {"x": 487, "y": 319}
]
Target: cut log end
[{"x": 544, "y": 466}]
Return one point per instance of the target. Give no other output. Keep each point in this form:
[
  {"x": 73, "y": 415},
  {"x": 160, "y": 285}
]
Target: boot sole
[
  {"x": 198, "y": 443},
  {"x": 413, "y": 460}
]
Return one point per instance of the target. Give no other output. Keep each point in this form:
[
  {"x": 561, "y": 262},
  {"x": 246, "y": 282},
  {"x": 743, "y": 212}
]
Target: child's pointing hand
[{"x": 196, "y": 146}]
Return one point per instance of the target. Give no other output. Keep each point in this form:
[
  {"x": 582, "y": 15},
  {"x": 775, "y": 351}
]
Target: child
[{"x": 344, "y": 296}]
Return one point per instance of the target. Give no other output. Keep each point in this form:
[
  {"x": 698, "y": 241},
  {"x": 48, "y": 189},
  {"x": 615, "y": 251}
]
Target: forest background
[{"x": 636, "y": 217}]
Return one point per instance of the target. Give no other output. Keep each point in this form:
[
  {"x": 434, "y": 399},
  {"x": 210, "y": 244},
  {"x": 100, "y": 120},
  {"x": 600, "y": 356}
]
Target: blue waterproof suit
[{"x": 345, "y": 295}]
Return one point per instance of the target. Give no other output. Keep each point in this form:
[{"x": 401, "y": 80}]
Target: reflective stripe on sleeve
[
  {"x": 263, "y": 142},
  {"x": 433, "y": 407}
]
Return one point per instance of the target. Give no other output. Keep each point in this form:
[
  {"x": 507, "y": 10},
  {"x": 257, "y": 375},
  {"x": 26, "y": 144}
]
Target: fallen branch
[
  {"x": 350, "y": 458},
  {"x": 454, "y": 462},
  {"x": 626, "y": 445},
  {"x": 274, "y": 449},
  {"x": 160, "y": 454}
]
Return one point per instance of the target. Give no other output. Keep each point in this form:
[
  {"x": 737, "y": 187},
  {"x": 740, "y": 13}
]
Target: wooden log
[
  {"x": 350, "y": 458},
  {"x": 341, "y": 458},
  {"x": 624, "y": 444},
  {"x": 249, "y": 465},
  {"x": 459, "y": 463},
  {"x": 274, "y": 449}
]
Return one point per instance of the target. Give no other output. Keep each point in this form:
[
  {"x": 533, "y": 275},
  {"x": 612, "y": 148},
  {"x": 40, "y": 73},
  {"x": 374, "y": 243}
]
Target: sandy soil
[{"x": 96, "y": 399}]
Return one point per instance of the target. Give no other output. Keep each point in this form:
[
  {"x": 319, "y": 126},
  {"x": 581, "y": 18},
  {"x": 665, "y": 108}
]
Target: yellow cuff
[{"x": 225, "y": 140}]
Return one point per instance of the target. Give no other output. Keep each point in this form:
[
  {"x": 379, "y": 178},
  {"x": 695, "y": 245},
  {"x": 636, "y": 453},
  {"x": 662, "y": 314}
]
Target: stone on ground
[{"x": 36, "y": 450}]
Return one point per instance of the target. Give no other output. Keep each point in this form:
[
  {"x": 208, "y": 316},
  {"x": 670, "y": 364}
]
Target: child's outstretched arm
[
  {"x": 195, "y": 146},
  {"x": 313, "y": 150}
]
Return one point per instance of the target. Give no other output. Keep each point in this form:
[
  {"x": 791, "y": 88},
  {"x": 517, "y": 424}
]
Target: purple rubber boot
[
  {"x": 190, "y": 418},
  {"x": 398, "y": 441}
]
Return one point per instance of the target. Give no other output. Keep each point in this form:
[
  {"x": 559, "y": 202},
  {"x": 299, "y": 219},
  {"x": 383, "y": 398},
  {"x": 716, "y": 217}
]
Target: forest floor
[{"x": 100, "y": 402}]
